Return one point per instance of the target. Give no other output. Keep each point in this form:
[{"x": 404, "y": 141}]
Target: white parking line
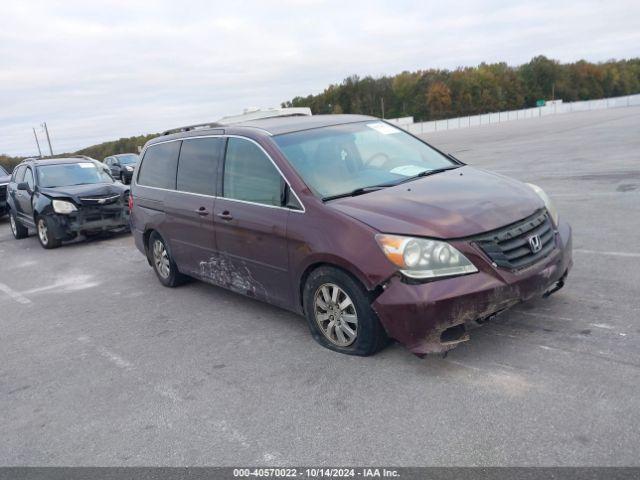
[
  {"x": 114, "y": 358},
  {"x": 613, "y": 254},
  {"x": 17, "y": 296}
]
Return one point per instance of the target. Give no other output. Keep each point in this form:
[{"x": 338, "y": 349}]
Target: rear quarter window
[{"x": 159, "y": 166}]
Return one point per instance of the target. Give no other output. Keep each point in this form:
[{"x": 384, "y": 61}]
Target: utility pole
[
  {"x": 37, "y": 142},
  {"x": 46, "y": 130},
  {"x": 382, "y": 106}
]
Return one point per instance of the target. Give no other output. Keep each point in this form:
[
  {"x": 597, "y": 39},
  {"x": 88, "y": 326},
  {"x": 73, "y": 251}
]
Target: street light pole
[
  {"x": 46, "y": 130},
  {"x": 37, "y": 142}
]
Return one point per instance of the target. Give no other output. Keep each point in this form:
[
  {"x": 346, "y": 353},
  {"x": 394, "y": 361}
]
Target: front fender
[{"x": 41, "y": 205}]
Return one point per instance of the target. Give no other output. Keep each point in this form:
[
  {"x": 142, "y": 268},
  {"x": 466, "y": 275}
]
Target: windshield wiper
[
  {"x": 356, "y": 192},
  {"x": 427, "y": 173}
]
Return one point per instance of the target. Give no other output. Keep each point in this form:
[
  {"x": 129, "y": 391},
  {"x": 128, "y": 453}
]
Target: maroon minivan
[{"x": 368, "y": 231}]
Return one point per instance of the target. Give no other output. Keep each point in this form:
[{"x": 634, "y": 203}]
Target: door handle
[
  {"x": 202, "y": 211},
  {"x": 225, "y": 215}
]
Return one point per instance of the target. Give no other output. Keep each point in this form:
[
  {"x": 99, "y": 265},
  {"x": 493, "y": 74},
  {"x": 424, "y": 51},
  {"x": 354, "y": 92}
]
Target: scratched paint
[{"x": 232, "y": 274}]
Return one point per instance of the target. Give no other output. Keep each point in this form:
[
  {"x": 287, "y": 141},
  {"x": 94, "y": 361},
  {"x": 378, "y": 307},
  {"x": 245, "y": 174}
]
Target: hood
[
  {"x": 452, "y": 204},
  {"x": 75, "y": 192}
]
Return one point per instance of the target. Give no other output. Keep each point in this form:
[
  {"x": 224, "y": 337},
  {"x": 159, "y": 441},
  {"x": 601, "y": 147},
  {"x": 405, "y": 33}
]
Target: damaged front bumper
[
  {"x": 432, "y": 317},
  {"x": 89, "y": 221}
]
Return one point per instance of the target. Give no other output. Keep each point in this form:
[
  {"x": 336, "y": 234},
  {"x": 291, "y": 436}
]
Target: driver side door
[{"x": 24, "y": 197}]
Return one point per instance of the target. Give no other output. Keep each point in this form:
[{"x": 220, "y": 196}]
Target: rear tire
[
  {"x": 45, "y": 233},
  {"x": 19, "y": 231},
  {"x": 163, "y": 263},
  {"x": 339, "y": 314}
]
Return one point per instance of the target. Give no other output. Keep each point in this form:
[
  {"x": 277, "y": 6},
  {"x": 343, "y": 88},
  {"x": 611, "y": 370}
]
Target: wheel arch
[{"x": 338, "y": 264}]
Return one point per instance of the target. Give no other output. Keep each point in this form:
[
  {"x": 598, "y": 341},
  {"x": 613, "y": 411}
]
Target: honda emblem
[{"x": 535, "y": 243}]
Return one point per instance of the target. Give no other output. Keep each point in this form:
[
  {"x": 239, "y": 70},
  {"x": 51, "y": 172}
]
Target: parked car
[
  {"x": 4, "y": 181},
  {"x": 64, "y": 197},
  {"x": 368, "y": 231},
  {"x": 122, "y": 166}
]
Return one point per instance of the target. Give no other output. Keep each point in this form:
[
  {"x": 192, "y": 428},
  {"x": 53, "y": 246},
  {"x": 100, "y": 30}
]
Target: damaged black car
[{"x": 62, "y": 198}]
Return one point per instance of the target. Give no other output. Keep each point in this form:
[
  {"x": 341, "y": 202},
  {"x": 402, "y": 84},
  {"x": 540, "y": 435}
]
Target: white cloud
[{"x": 101, "y": 70}]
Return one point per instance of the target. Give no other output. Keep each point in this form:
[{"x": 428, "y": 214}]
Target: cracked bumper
[
  {"x": 68, "y": 226},
  {"x": 417, "y": 315}
]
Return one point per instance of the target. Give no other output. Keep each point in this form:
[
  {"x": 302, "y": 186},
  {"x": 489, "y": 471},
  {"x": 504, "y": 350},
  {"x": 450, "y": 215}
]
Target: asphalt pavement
[{"x": 101, "y": 365}]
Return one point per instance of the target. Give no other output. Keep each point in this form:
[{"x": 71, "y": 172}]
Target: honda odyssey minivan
[{"x": 366, "y": 230}]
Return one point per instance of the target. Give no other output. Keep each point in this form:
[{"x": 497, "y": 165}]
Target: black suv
[
  {"x": 122, "y": 166},
  {"x": 4, "y": 181},
  {"x": 64, "y": 197}
]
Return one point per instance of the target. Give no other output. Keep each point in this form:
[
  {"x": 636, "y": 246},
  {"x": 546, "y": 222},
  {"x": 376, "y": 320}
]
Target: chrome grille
[
  {"x": 106, "y": 200},
  {"x": 515, "y": 246}
]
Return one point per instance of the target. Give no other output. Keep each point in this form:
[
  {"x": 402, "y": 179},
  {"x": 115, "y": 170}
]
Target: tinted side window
[
  {"x": 249, "y": 174},
  {"x": 198, "y": 165},
  {"x": 18, "y": 174},
  {"x": 28, "y": 177},
  {"x": 159, "y": 166}
]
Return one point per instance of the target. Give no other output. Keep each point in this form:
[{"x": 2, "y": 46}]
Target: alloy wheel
[
  {"x": 336, "y": 315},
  {"x": 14, "y": 228},
  {"x": 43, "y": 233},
  {"x": 161, "y": 259}
]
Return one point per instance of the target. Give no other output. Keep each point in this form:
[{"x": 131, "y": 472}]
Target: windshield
[
  {"x": 66, "y": 174},
  {"x": 128, "y": 159},
  {"x": 339, "y": 159}
]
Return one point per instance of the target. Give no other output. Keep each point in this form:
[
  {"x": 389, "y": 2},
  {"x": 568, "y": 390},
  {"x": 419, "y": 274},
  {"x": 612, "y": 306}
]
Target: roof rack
[
  {"x": 192, "y": 127},
  {"x": 257, "y": 114}
]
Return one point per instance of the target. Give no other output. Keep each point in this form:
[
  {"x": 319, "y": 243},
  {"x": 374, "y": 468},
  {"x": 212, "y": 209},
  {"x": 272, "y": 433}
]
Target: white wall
[{"x": 499, "y": 117}]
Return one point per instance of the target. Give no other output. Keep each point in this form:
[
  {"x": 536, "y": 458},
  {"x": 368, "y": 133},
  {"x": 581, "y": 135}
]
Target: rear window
[
  {"x": 159, "y": 166},
  {"x": 3, "y": 171},
  {"x": 198, "y": 165}
]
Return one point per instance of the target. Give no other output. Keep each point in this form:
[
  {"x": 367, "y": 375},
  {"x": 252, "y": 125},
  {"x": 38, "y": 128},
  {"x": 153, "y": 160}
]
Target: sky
[{"x": 101, "y": 70}]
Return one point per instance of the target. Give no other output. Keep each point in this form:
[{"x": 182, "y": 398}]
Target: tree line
[
  {"x": 440, "y": 93},
  {"x": 99, "y": 152}
]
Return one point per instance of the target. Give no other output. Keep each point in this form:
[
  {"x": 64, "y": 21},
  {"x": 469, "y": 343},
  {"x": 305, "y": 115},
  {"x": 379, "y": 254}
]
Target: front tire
[
  {"x": 19, "y": 231},
  {"x": 339, "y": 314},
  {"x": 46, "y": 236},
  {"x": 162, "y": 262}
]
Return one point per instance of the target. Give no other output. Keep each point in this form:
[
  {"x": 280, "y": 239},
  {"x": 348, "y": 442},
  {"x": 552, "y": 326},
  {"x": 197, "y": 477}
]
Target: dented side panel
[{"x": 251, "y": 241}]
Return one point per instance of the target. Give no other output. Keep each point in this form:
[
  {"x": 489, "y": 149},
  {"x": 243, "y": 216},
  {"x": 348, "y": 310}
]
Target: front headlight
[
  {"x": 551, "y": 208},
  {"x": 129, "y": 169},
  {"x": 64, "y": 207},
  {"x": 423, "y": 258}
]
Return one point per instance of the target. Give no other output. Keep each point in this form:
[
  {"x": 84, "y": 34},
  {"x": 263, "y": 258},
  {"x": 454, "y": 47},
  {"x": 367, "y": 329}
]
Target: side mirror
[{"x": 24, "y": 186}]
